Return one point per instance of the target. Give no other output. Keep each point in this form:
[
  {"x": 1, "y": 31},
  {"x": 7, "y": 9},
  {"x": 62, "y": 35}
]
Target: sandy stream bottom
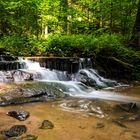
[{"x": 68, "y": 125}]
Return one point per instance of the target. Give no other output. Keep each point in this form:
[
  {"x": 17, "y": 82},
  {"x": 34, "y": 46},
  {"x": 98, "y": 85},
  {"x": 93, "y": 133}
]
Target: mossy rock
[
  {"x": 16, "y": 130},
  {"x": 46, "y": 124}
]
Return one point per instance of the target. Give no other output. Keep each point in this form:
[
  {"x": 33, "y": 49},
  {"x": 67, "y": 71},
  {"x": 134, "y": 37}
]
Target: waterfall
[
  {"x": 73, "y": 84},
  {"x": 40, "y": 73},
  {"x": 92, "y": 78},
  {"x": 31, "y": 70}
]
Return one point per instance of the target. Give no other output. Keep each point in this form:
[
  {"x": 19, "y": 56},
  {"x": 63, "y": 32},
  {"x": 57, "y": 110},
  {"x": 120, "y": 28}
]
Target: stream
[
  {"x": 101, "y": 110},
  {"x": 77, "y": 119}
]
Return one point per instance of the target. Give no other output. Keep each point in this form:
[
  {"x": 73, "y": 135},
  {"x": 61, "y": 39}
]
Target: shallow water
[{"x": 77, "y": 119}]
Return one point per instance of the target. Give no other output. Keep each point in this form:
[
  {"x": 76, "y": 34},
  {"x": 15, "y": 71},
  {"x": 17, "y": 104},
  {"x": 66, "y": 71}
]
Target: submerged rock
[
  {"x": 130, "y": 117},
  {"x": 27, "y": 137},
  {"x": 19, "y": 114},
  {"x": 16, "y": 130},
  {"x": 46, "y": 124},
  {"x": 119, "y": 123},
  {"x": 100, "y": 125},
  {"x": 136, "y": 136},
  {"x": 129, "y": 107}
]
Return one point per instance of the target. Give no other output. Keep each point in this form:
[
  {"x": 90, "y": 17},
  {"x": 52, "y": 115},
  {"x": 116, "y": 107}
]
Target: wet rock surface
[
  {"x": 46, "y": 124},
  {"x": 27, "y": 137},
  {"x": 129, "y": 107},
  {"x": 100, "y": 125},
  {"x": 130, "y": 113},
  {"x": 21, "y": 100},
  {"x": 16, "y": 130},
  {"x": 119, "y": 123},
  {"x": 91, "y": 78},
  {"x": 137, "y": 137},
  {"x": 30, "y": 92},
  {"x": 21, "y": 115},
  {"x": 129, "y": 118}
]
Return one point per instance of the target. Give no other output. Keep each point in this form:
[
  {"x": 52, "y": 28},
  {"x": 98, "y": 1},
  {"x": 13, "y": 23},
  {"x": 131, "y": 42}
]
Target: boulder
[{"x": 19, "y": 114}]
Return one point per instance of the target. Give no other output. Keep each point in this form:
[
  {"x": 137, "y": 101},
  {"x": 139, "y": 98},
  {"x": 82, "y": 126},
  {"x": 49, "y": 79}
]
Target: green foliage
[
  {"x": 19, "y": 18},
  {"x": 82, "y": 45},
  {"x": 82, "y": 28},
  {"x": 103, "y": 46},
  {"x": 20, "y": 46}
]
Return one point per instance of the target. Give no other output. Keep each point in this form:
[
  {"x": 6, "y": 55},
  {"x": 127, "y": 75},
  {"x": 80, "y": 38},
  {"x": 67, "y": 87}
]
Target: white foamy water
[
  {"x": 33, "y": 71},
  {"x": 80, "y": 90}
]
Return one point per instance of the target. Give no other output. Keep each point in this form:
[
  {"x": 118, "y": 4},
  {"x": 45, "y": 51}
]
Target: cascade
[
  {"x": 8, "y": 67},
  {"x": 69, "y": 64},
  {"x": 31, "y": 70},
  {"x": 72, "y": 84},
  {"x": 10, "y": 63}
]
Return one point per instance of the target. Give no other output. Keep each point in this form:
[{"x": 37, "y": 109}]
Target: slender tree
[{"x": 135, "y": 40}]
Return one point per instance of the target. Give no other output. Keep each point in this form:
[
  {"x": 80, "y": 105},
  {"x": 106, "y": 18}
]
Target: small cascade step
[
  {"x": 69, "y": 64},
  {"x": 10, "y": 63}
]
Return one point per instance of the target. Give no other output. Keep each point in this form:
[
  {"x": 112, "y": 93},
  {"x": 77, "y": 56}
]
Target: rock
[
  {"x": 129, "y": 107},
  {"x": 100, "y": 125},
  {"x": 5, "y": 98},
  {"x": 19, "y": 114},
  {"x": 130, "y": 117},
  {"x": 22, "y": 100},
  {"x": 136, "y": 137},
  {"x": 32, "y": 92},
  {"x": 16, "y": 130},
  {"x": 27, "y": 137},
  {"x": 46, "y": 124},
  {"x": 119, "y": 123},
  {"x": 90, "y": 77}
]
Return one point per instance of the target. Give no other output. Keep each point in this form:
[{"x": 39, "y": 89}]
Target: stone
[
  {"x": 21, "y": 115},
  {"x": 119, "y": 123},
  {"x": 46, "y": 124},
  {"x": 100, "y": 125},
  {"x": 129, "y": 107},
  {"x": 16, "y": 130},
  {"x": 136, "y": 137},
  {"x": 131, "y": 117},
  {"x": 27, "y": 137}
]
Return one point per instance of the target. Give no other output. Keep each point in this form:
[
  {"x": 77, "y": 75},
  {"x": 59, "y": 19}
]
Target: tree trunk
[
  {"x": 64, "y": 10},
  {"x": 135, "y": 39}
]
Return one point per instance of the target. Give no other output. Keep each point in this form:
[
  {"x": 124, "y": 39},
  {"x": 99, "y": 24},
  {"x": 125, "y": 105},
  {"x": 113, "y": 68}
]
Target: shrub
[
  {"x": 81, "y": 45},
  {"x": 21, "y": 46}
]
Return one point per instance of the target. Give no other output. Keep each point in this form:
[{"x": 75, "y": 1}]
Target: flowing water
[
  {"x": 87, "y": 113},
  {"x": 76, "y": 119}
]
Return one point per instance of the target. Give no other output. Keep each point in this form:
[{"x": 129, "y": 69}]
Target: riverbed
[{"x": 73, "y": 122}]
